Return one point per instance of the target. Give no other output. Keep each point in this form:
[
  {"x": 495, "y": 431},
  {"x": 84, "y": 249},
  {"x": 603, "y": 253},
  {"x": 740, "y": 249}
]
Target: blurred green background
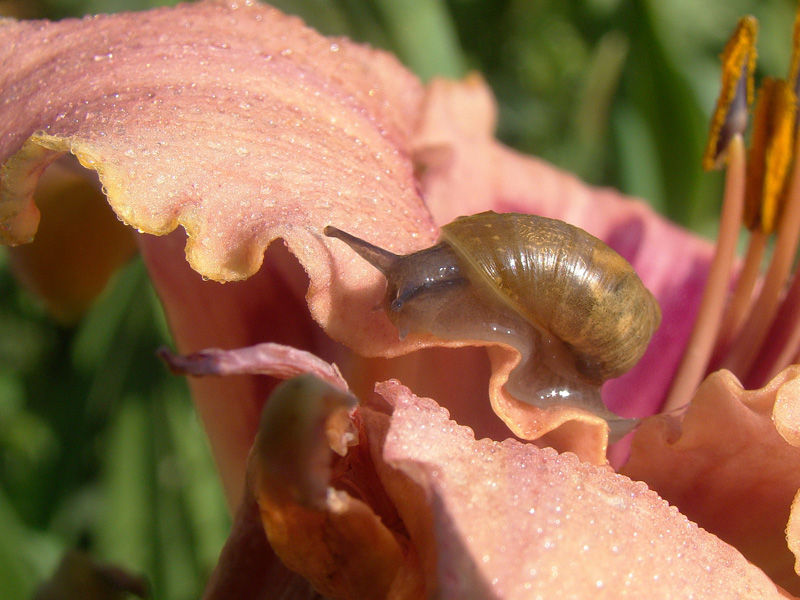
[{"x": 99, "y": 446}]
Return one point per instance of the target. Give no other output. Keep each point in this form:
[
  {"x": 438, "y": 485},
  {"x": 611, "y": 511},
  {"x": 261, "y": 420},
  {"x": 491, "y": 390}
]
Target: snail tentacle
[{"x": 378, "y": 257}]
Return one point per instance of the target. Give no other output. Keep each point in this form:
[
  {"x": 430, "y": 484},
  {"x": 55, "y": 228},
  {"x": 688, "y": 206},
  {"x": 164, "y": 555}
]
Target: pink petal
[
  {"x": 513, "y": 521},
  {"x": 232, "y": 120},
  {"x": 270, "y": 359},
  {"x": 727, "y": 466}
]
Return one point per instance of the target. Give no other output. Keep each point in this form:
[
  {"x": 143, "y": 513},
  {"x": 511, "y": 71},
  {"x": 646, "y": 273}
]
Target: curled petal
[
  {"x": 227, "y": 118},
  {"x": 323, "y": 533},
  {"x": 268, "y": 358},
  {"x": 786, "y": 416},
  {"x": 241, "y": 125},
  {"x": 786, "y": 412},
  {"x": 80, "y": 244},
  {"x": 793, "y": 532},
  {"x": 728, "y": 467},
  {"x": 248, "y": 567}
]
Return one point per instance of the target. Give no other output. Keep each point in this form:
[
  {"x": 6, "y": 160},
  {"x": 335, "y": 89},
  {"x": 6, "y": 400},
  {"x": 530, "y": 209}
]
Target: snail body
[{"x": 574, "y": 309}]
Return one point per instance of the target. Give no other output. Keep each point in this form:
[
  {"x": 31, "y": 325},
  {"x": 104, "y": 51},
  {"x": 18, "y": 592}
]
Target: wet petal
[
  {"x": 320, "y": 132},
  {"x": 229, "y": 119},
  {"x": 554, "y": 523},
  {"x": 727, "y": 466}
]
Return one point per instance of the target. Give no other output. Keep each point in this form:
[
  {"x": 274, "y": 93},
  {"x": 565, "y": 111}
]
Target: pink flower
[{"x": 242, "y": 126}]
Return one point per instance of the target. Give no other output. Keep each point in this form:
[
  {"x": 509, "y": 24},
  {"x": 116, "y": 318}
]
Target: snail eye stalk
[{"x": 381, "y": 259}]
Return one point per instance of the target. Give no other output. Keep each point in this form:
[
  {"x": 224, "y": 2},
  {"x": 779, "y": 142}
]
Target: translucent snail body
[{"x": 573, "y": 308}]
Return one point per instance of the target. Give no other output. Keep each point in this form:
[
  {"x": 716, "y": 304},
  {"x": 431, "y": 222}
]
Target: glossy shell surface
[{"x": 565, "y": 281}]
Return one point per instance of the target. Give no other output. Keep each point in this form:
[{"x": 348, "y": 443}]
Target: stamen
[
  {"x": 730, "y": 114},
  {"x": 775, "y": 210},
  {"x": 771, "y": 152},
  {"x": 759, "y": 337},
  {"x": 725, "y": 143},
  {"x": 783, "y": 344},
  {"x": 742, "y": 298},
  {"x": 701, "y": 342},
  {"x": 769, "y": 161}
]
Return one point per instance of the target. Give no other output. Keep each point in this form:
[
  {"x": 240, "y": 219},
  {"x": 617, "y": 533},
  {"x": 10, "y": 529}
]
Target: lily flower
[{"x": 219, "y": 127}]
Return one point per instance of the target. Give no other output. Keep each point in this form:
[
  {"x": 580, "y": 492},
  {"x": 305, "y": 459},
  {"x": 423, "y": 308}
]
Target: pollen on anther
[
  {"x": 736, "y": 95},
  {"x": 770, "y": 156}
]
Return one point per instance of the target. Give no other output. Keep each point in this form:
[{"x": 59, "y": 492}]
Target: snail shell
[{"x": 574, "y": 309}]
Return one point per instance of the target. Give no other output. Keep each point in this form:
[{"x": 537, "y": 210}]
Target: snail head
[{"x": 416, "y": 288}]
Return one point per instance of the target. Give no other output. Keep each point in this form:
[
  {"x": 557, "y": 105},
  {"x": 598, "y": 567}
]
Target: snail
[{"x": 574, "y": 309}]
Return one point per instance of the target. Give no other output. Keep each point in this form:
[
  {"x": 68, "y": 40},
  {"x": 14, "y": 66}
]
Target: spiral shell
[{"x": 564, "y": 280}]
